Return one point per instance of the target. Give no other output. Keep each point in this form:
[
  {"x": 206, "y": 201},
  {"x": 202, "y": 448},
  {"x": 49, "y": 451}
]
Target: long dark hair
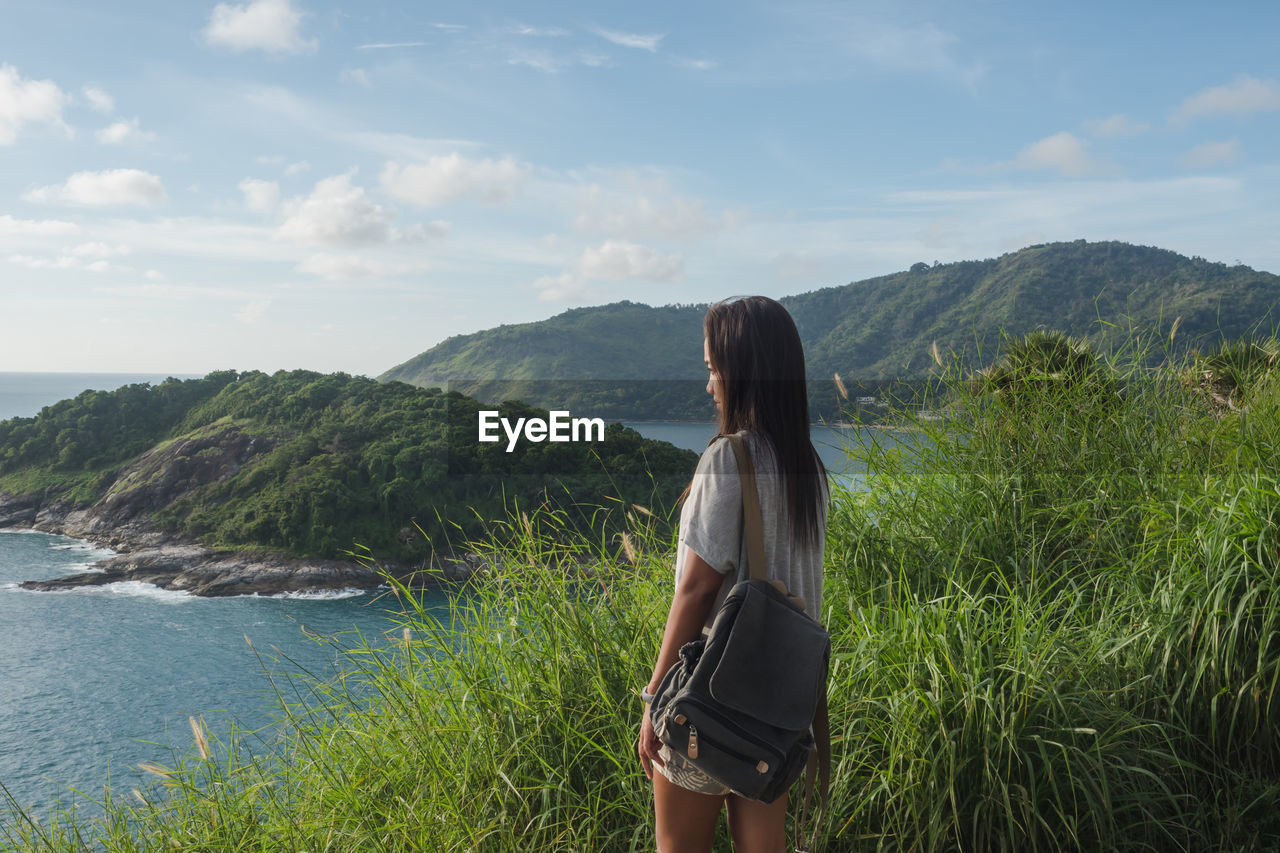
[{"x": 756, "y": 351}]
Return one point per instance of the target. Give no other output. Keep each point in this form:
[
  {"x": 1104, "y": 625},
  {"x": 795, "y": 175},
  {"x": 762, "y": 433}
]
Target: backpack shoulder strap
[{"x": 750, "y": 509}]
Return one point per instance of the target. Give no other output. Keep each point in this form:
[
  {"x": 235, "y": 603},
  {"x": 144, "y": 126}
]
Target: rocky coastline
[{"x": 148, "y": 554}]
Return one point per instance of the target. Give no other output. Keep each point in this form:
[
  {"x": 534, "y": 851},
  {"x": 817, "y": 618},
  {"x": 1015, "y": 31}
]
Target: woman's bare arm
[{"x": 690, "y": 605}]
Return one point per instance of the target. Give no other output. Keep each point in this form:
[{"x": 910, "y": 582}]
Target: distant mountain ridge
[{"x": 881, "y": 328}]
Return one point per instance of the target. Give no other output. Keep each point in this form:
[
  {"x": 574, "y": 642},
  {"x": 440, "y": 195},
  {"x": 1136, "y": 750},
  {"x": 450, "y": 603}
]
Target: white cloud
[
  {"x": 336, "y": 213},
  {"x": 99, "y": 101},
  {"x": 614, "y": 260},
  {"x": 260, "y": 196},
  {"x": 1211, "y": 154},
  {"x": 267, "y": 25},
  {"x": 343, "y": 267},
  {"x": 24, "y": 102},
  {"x": 123, "y": 131},
  {"x": 253, "y": 311},
  {"x": 153, "y": 275},
  {"x": 113, "y": 186},
  {"x": 1113, "y": 126},
  {"x": 454, "y": 178},
  {"x": 1245, "y": 96},
  {"x": 296, "y": 168},
  {"x": 1063, "y": 152},
  {"x": 636, "y": 40},
  {"x": 617, "y": 259},
  {"x": 35, "y": 227}
]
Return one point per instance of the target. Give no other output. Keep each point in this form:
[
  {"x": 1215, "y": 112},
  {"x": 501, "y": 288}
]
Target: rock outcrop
[{"x": 202, "y": 571}]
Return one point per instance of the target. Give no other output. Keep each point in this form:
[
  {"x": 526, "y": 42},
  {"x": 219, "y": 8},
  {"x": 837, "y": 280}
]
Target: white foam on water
[
  {"x": 83, "y": 568},
  {"x": 129, "y": 589},
  {"x": 94, "y": 553},
  {"x": 320, "y": 594}
]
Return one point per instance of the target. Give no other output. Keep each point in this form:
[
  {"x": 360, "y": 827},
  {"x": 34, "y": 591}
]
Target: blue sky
[{"x": 267, "y": 184}]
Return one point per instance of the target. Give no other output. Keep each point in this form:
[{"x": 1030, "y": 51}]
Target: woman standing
[{"x": 757, "y": 378}]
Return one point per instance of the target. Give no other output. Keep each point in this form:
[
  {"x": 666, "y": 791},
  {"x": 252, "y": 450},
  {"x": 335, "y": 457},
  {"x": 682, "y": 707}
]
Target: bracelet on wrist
[{"x": 645, "y": 696}]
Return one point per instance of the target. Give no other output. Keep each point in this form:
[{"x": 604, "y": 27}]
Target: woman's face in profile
[{"x": 713, "y": 379}]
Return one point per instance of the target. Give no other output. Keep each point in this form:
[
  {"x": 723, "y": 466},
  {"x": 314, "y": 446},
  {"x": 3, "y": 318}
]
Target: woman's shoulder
[{"x": 719, "y": 457}]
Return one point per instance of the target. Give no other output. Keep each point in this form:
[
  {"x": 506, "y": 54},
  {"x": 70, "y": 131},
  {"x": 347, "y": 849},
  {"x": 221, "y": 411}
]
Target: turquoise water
[{"x": 99, "y": 679}]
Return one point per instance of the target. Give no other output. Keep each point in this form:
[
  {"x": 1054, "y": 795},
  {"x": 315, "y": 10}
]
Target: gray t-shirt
[{"x": 711, "y": 525}]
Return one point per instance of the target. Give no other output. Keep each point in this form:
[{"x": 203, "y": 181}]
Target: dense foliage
[
  {"x": 310, "y": 464},
  {"x": 870, "y": 332}
]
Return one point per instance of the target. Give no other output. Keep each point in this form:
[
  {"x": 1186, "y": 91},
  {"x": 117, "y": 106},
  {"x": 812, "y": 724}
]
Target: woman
[{"x": 756, "y": 364}]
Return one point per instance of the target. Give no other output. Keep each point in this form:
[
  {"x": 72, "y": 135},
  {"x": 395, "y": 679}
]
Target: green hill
[
  {"x": 307, "y": 465},
  {"x": 871, "y": 332}
]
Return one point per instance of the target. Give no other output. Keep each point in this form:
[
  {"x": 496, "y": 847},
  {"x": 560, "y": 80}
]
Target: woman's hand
[{"x": 649, "y": 745}]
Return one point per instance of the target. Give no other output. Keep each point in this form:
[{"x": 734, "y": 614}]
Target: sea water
[{"x": 96, "y": 680}]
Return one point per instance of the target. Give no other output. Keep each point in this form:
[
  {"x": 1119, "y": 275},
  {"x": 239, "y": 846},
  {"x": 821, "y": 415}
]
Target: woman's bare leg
[
  {"x": 758, "y": 827},
  {"x": 686, "y": 819}
]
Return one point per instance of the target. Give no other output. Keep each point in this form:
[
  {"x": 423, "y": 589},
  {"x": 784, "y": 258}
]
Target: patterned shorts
[{"x": 682, "y": 772}]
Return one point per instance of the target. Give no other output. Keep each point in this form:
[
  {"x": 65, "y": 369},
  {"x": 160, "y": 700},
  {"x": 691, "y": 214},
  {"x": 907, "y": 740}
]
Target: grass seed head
[
  {"x": 844, "y": 392},
  {"x": 202, "y": 739}
]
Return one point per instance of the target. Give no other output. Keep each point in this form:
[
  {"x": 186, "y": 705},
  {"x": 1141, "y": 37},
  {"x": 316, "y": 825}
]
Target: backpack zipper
[
  {"x": 692, "y": 748},
  {"x": 745, "y": 735}
]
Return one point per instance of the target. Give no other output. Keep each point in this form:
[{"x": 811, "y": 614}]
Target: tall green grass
[{"x": 1055, "y": 626}]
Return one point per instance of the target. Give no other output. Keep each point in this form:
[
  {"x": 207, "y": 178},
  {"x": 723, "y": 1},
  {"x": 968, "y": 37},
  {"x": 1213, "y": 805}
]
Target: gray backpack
[{"x": 739, "y": 704}]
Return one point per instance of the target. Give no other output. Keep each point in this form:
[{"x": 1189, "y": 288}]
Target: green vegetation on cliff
[
  {"x": 873, "y": 332},
  {"x": 309, "y": 464}
]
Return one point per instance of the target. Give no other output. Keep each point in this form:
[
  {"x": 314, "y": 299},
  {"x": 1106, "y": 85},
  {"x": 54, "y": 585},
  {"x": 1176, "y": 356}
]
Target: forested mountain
[
  {"x": 307, "y": 465},
  {"x": 871, "y": 331}
]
